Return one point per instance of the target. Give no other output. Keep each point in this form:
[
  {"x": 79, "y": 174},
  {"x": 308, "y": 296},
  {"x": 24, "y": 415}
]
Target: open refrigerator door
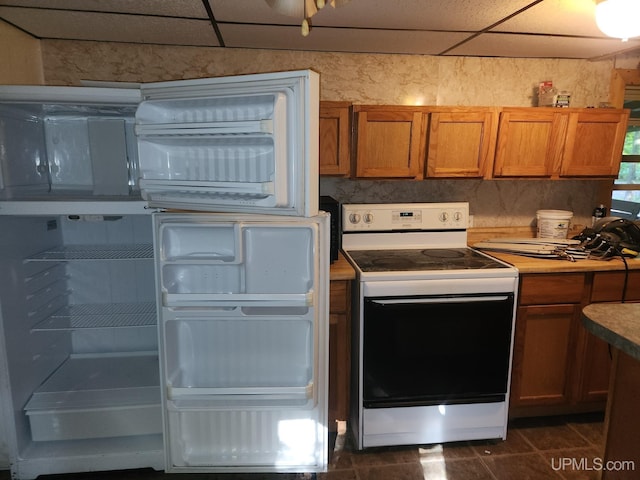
[
  {"x": 231, "y": 144},
  {"x": 243, "y": 302}
]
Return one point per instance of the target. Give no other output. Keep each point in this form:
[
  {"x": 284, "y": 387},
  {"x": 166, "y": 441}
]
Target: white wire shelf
[
  {"x": 95, "y": 252},
  {"x": 116, "y": 315}
]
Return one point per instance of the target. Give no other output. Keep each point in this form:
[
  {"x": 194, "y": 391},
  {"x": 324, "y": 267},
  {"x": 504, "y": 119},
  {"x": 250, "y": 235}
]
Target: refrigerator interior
[
  {"x": 243, "y": 341},
  {"x": 236, "y": 144},
  {"x": 80, "y": 336},
  {"x": 58, "y": 150}
]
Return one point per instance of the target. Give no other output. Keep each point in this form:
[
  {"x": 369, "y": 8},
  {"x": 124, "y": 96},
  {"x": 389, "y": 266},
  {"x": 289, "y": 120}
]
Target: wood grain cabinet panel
[
  {"x": 390, "y": 142},
  {"x": 555, "y": 143},
  {"x": 530, "y": 142},
  {"x": 545, "y": 341},
  {"x": 339, "y": 350},
  {"x": 461, "y": 142},
  {"x": 553, "y": 288},
  {"x": 558, "y": 366},
  {"x": 594, "y": 143},
  {"x": 609, "y": 286},
  {"x": 596, "y": 368},
  {"x": 335, "y": 138}
]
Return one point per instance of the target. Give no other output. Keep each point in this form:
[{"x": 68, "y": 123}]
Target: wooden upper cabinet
[
  {"x": 530, "y": 142},
  {"x": 335, "y": 138},
  {"x": 594, "y": 142},
  {"x": 461, "y": 141},
  {"x": 390, "y": 141},
  {"x": 565, "y": 142}
]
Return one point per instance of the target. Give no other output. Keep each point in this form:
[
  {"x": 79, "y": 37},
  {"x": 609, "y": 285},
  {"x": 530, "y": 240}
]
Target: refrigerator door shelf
[
  {"x": 223, "y": 394},
  {"x": 238, "y": 300},
  {"x": 205, "y": 128},
  {"x": 186, "y": 243},
  {"x": 165, "y": 194},
  {"x": 269, "y": 440},
  {"x": 255, "y": 189},
  {"x": 227, "y": 355}
]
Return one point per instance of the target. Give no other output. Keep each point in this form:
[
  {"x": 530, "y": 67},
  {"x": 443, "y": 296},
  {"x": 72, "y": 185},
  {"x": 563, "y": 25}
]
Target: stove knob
[
  {"x": 444, "y": 216},
  {"x": 354, "y": 218},
  {"x": 458, "y": 216},
  {"x": 368, "y": 218}
]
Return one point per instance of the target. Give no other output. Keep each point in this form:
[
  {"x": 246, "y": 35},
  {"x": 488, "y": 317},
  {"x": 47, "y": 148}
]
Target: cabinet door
[
  {"x": 596, "y": 367},
  {"x": 461, "y": 142},
  {"x": 594, "y": 143},
  {"x": 530, "y": 142},
  {"x": 390, "y": 142},
  {"x": 335, "y": 143},
  {"x": 542, "y": 357}
]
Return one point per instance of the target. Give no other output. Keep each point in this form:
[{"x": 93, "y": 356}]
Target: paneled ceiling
[{"x": 478, "y": 28}]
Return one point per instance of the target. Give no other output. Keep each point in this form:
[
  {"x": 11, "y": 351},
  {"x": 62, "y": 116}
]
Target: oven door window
[{"x": 436, "y": 350}]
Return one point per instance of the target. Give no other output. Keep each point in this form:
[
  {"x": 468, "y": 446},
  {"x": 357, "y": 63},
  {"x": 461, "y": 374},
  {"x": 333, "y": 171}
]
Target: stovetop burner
[
  {"x": 422, "y": 260},
  {"x": 443, "y": 253}
]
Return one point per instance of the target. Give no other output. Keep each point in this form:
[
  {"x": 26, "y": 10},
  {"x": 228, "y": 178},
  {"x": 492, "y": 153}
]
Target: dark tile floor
[{"x": 558, "y": 448}]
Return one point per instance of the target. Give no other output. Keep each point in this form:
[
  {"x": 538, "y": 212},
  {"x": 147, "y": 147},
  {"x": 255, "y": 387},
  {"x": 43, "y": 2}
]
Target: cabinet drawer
[
  {"x": 608, "y": 286},
  {"x": 541, "y": 289}
]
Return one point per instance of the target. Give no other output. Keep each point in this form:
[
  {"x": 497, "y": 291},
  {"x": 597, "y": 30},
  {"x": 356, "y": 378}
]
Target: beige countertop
[
  {"x": 544, "y": 265},
  {"x": 341, "y": 269},
  {"x": 616, "y": 323}
]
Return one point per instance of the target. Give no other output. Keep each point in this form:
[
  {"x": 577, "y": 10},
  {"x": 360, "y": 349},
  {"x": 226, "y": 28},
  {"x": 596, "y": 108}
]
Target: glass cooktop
[{"x": 422, "y": 259}]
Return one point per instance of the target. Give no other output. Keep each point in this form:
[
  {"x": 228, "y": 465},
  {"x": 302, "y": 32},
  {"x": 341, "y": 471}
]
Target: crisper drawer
[
  {"x": 267, "y": 440},
  {"x": 236, "y": 264},
  {"x": 269, "y": 358}
]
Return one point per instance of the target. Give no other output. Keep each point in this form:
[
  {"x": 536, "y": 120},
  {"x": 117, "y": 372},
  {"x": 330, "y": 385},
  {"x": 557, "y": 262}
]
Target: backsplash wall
[
  {"x": 493, "y": 203},
  {"x": 378, "y": 79}
]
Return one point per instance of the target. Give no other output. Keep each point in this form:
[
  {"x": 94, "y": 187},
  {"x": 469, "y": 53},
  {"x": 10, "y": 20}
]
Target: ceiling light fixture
[
  {"x": 619, "y": 18},
  {"x": 303, "y": 8}
]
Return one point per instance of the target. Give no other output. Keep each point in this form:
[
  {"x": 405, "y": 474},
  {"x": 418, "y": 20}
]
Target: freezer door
[
  {"x": 243, "y": 302},
  {"x": 232, "y": 144}
]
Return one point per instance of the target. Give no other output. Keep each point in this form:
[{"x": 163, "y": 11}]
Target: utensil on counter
[{"x": 550, "y": 248}]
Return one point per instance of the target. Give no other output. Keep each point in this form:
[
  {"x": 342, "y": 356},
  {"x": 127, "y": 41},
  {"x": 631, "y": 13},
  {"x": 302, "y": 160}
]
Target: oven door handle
[{"x": 400, "y": 301}]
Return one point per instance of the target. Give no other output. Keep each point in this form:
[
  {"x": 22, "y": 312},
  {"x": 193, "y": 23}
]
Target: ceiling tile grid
[{"x": 480, "y": 28}]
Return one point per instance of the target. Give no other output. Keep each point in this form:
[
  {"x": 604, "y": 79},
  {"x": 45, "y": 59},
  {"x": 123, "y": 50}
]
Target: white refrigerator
[{"x": 164, "y": 277}]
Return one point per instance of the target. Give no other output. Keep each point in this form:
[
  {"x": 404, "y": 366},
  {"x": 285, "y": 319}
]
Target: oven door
[{"x": 434, "y": 350}]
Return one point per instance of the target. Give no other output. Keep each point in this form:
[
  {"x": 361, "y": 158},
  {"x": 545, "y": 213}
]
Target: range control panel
[{"x": 383, "y": 217}]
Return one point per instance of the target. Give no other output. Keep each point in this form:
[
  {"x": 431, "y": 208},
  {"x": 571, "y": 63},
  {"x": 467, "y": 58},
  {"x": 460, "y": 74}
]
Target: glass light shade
[{"x": 619, "y": 18}]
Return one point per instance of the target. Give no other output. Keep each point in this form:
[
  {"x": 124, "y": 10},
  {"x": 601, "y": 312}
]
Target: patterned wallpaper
[{"x": 378, "y": 79}]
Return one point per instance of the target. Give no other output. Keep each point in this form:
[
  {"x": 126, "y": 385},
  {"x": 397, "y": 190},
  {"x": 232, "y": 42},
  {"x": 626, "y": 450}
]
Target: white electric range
[{"x": 433, "y": 326}]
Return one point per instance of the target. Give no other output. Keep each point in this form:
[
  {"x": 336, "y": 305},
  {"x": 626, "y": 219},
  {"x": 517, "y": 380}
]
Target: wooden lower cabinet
[
  {"x": 594, "y": 381},
  {"x": 339, "y": 351},
  {"x": 543, "y": 354},
  {"x": 558, "y": 367}
]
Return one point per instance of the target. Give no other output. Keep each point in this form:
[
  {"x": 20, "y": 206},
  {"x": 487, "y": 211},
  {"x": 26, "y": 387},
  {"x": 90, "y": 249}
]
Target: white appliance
[
  {"x": 433, "y": 335},
  {"x": 134, "y": 337}
]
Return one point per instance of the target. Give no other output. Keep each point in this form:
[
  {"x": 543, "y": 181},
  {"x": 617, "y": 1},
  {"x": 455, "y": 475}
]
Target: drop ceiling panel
[
  {"x": 538, "y": 46},
  {"x": 173, "y": 8},
  {"x": 385, "y": 14},
  {"x": 536, "y": 28},
  {"x": 110, "y": 27},
  {"x": 339, "y": 40},
  {"x": 559, "y": 17}
]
